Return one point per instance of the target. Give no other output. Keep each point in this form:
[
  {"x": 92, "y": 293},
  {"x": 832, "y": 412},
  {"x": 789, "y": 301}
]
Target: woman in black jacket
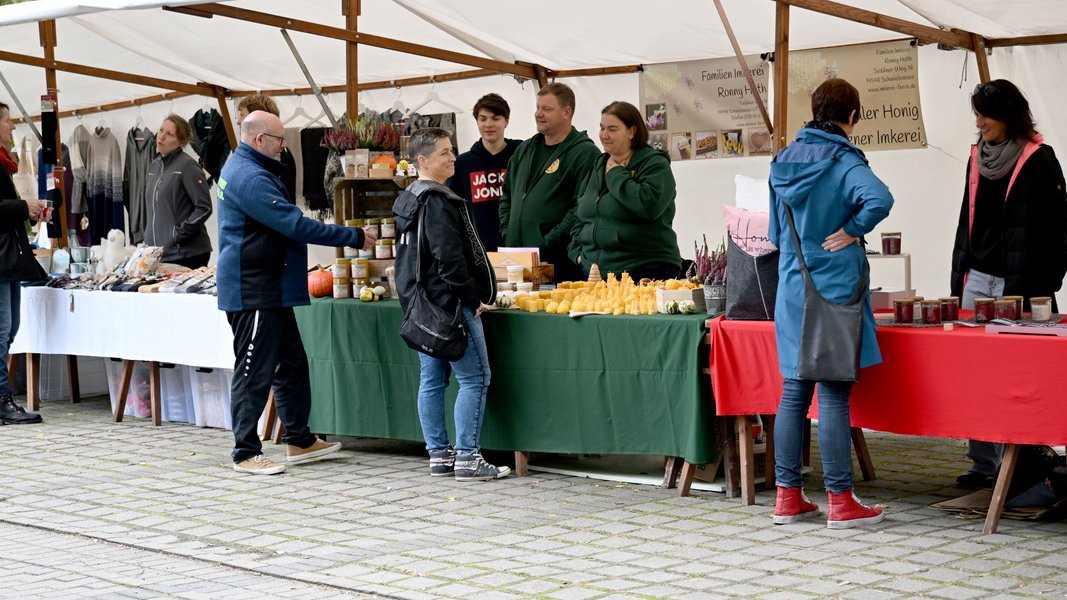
[
  {"x": 1012, "y": 234},
  {"x": 455, "y": 273},
  {"x": 16, "y": 264}
]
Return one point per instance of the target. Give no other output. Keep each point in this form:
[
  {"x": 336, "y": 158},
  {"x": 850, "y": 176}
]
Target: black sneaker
[
  {"x": 442, "y": 462},
  {"x": 972, "y": 480},
  {"x": 13, "y": 414},
  {"x": 472, "y": 467}
]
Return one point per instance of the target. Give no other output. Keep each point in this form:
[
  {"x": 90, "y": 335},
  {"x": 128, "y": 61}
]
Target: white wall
[{"x": 927, "y": 184}]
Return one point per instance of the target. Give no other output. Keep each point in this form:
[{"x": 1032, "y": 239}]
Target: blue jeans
[
  {"x": 835, "y": 433},
  {"x": 10, "y": 296},
  {"x": 980, "y": 285},
  {"x": 985, "y": 456},
  {"x": 472, "y": 373}
]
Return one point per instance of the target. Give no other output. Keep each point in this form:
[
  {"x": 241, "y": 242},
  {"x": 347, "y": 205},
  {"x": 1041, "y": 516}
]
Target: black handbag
[
  {"x": 830, "y": 334},
  {"x": 751, "y": 284},
  {"x": 427, "y": 327},
  {"x": 17, "y": 262}
]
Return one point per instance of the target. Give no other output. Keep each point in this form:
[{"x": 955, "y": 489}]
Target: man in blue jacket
[{"x": 262, "y": 275}]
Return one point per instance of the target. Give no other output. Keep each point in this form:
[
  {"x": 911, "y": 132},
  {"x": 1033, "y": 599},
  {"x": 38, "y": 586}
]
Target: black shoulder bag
[
  {"x": 830, "y": 334},
  {"x": 427, "y": 327}
]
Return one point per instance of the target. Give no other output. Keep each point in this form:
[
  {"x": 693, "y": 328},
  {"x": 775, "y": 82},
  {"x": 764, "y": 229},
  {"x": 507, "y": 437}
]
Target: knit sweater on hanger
[{"x": 104, "y": 184}]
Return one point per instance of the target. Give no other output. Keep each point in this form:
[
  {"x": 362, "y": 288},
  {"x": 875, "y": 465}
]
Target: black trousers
[{"x": 269, "y": 354}]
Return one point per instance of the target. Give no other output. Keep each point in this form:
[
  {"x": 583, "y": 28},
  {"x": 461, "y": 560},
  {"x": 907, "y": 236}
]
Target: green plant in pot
[{"x": 709, "y": 269}]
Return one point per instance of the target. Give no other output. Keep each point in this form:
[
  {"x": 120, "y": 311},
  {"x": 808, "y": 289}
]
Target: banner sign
[
  {"x": 703, "y": 109},
  {"x": 887, "y": 77}
]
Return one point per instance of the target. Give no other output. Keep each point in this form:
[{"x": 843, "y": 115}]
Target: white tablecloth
[{"x": 182, "y": 329}]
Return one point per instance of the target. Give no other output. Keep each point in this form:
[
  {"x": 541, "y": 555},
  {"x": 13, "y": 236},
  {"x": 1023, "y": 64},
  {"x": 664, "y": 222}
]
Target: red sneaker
[
  {"x": 846, "y": 511},
  {"x": 792, "y": 506}
]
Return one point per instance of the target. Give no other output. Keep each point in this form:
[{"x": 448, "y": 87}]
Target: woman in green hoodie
[{"x": 626, "y": 205}]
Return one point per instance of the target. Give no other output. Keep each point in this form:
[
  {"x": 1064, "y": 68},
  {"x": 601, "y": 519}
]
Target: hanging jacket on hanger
[
  {"x": 210, "y": 141},
  {"x": 140, "y": 152}
]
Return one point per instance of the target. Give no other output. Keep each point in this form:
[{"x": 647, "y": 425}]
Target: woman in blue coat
[{"x": 836, "y": 199}]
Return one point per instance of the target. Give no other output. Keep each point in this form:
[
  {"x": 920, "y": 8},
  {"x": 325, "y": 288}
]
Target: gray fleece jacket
[{"x": 178, "y": 203}]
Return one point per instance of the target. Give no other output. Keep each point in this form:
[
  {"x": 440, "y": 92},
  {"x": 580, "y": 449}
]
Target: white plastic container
[
  {"x": 55, "y": 380},
  {"x": 211, "y": 396},
  {"x": 176, "y": 401},
  {"x": 138, "y": 399}
]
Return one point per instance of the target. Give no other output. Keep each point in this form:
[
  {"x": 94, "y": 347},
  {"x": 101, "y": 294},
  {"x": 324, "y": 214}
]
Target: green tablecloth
[{"x": 599, "y": 385}]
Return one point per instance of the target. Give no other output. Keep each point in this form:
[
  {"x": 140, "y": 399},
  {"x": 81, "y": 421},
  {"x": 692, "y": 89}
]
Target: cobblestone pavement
[{"x": 90, "y": 508}]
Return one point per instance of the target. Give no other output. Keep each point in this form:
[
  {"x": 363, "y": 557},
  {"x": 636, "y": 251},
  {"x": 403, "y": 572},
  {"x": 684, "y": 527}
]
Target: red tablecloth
[{"x": 964, "y": 383}]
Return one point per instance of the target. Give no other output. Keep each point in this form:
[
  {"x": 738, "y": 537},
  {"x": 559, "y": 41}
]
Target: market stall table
[
  {"x": 596, "y": 384},
  {"x": 962, "y": 384},
  {"x": 184, "y": 329}
]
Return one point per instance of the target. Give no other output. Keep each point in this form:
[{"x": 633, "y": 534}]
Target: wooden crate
[{"x": 363, "y": 198}]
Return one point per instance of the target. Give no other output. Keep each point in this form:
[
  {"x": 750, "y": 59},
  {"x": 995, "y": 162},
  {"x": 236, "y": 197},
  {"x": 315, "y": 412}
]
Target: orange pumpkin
[
  {"x": 320, "y": 283},
  {"x": 385, "y": 159}
]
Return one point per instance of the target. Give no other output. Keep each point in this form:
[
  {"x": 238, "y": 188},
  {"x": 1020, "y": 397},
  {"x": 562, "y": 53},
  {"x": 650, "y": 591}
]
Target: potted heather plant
[{"x": 709, "y": 269}]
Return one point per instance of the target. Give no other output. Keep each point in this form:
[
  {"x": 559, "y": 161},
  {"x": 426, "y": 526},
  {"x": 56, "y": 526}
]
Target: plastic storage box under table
[
  {"x": 211, "y": 396},
  {"x": 176, "y": 398}
]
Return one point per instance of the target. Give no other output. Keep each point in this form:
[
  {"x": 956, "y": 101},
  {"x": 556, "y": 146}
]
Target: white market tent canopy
[{"x": 594, "y": 45}]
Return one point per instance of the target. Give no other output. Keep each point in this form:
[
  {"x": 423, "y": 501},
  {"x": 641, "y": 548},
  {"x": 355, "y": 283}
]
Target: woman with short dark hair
[
  {"x": 625, "y": 213},
  {"x": 444, "y": 259},
  {"x": 835, "y": 199},
  {"x": 1012, "y": 233}
]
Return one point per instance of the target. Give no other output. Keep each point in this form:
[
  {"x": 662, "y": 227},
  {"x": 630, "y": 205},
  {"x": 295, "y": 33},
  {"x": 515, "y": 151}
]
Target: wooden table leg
[
  {"x": 671, "y": 470},
  {"x": 1000, "y": 491},
  {"x": 279, "y": 430},
  {"x": 863, "y": 455},
  {"x": 685, "y": 480},
  {"x": 72, "y": 376},
  {"x": 33, "y": 382},
  {"x": 522, "y": 464},
  {"x": 153, "y": 384},
  {"x": 12, "y": 365},
  {"x": 124, "y": 390},
  {"x": 769, "y": 478},
  {"x": 271, "y": 415},
  {"x": 748, "y": 459},
  {"x": 728, "y": 451}
]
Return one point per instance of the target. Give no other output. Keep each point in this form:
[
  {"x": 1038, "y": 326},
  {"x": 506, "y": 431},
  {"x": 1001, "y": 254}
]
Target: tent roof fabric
[{"x": 136, "y": 36}]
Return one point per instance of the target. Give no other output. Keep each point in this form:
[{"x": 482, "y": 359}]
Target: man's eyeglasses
[{"x": 280, "y": 138}]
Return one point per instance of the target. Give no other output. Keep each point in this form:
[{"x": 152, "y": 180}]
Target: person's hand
[
  {"x": 611, "y": 164},
  {"x": 839, "y": 240},
  {"x": 35, "y": 208},
  {"x": 368, "y": 239},
  {"x": 579, "y": 261},
  {"x": 478, "y": 311}
]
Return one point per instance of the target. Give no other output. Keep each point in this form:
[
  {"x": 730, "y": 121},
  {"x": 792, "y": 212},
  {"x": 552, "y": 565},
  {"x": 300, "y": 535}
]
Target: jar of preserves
[
  {"x": 374, "y": 226},
  {"x": 388, "y": 228}
]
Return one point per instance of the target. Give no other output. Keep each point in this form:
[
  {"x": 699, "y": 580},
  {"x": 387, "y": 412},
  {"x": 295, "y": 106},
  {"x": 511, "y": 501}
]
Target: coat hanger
[
  {"x": 398, "y": 105},
  {"x": 299, "y": 112},
  {"x": 139, "y": 123},
  {"x": 322, "y": 115},
  {"x": 433, "y": 97}
]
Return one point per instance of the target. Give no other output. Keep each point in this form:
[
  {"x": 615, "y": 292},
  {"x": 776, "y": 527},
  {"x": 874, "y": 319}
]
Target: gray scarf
[{"x": 997, "y": 160}]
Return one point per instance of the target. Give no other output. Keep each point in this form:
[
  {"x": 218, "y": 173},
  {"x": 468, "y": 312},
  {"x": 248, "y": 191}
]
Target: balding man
[{"x": 262, "y": 275}]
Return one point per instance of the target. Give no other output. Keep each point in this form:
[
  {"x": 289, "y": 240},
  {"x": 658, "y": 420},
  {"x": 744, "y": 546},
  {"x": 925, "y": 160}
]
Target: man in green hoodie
[{"x": 539, "y": 197}]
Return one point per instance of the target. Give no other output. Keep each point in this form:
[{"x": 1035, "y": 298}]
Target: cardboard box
[
  {"x": 697, "y": 296},
  {"x": 501, "y": 260},
  {"x": 883, "y": 298}
]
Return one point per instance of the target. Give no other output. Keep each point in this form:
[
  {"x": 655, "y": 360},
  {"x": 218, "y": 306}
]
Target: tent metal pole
[
  {"x": 781, "y": 74},
  {"x": 744, "y": 67},
  {"x": 311, "y": 81},
  {"x": 351, "y": 12},
  {"x": 47, "y": 31},
  {"x": 22, "y": 109}
]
